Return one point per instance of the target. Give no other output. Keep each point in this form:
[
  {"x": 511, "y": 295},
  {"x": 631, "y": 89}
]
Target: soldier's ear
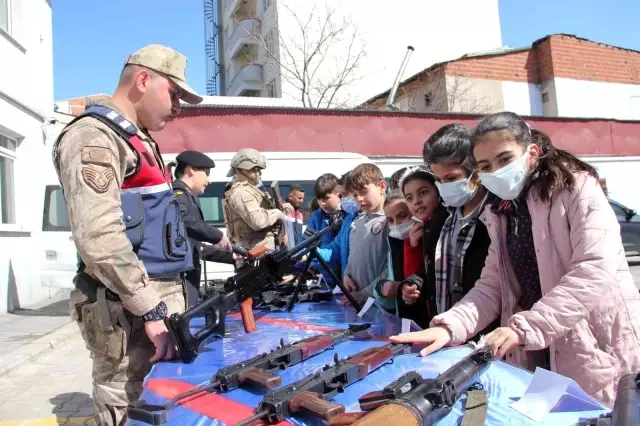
[{"x": 143, "y": 80}]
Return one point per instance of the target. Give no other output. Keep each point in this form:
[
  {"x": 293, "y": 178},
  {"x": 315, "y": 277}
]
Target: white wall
[
  {"x": 438, "y": 31},
  {"x": 622, "y": 175},
  {"x": 522, "y": 98},
  {"x": 26, "y": 100},
  {"x": 579, "y": 98}
]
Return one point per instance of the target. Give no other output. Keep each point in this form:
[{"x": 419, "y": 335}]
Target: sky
[{"x": 91, "y": 38}]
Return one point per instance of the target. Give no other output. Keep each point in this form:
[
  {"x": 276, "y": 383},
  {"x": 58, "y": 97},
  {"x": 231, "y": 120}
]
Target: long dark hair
[{"x": 555, "y": 168}]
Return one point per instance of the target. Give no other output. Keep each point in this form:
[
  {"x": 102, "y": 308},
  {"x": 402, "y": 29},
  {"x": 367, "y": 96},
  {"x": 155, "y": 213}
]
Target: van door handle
[{"x": 51, "y": 254}]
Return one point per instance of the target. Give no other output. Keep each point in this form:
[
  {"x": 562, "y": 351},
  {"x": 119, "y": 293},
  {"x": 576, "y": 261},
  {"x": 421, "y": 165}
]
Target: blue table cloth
[{"x": 504, "y": 383}]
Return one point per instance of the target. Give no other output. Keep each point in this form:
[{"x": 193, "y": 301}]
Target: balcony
[
  {"x": 247, "y": 81},
  {"x": 245, "y": 39},
  {"x": 240, "y": 9}
]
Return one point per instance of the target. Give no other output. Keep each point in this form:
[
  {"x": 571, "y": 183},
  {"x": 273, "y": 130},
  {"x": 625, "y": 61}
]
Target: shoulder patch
[
  {"x": 98, "y": 155},
  {"x": 98, "y": 180},
  {"x": 376, "y": 228},
  {"x": 178, "y": 192}
]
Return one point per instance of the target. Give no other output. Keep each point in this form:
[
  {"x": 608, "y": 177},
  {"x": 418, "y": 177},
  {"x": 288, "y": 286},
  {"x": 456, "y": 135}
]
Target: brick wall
[
  {"x": 558, "y": 55},
  {"x": 518, "y": 66},
  {"x": 78, "y": 105},
  {"x": 581, "y": 59}
]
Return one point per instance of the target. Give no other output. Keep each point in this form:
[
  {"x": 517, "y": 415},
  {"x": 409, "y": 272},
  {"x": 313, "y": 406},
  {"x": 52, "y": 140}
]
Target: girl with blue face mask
[{"x": 556, "y": 274}]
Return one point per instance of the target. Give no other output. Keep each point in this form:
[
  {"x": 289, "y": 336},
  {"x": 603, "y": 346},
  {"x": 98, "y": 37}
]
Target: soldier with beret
[{"x": 192, "y": 176}]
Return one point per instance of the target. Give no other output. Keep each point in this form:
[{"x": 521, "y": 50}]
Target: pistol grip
[
  {"x": 260, "y": 378},
  {"x": 246, "y": 311},
  {"x": 394, "y": 414},
  {"x": 347, "y": 419},
  {"x": 311, "y": 403}
]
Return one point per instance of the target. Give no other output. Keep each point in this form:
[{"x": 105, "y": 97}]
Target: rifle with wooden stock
[
  {"x": 414, "y": 401},
  {"x": 261, "y": 270},
  {"x": 256, "y": 372},
  {"x": 310, "y": 395}
]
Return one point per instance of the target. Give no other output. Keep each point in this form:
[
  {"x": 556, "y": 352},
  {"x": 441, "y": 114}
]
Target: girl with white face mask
[
  {"x": 463, "y": 243},
  {"x": 404, "y": 260},
  {"x": 556, "y": 274}
]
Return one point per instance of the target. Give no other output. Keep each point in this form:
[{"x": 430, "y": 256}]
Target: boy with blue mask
[{"x": 326, "y": 191}]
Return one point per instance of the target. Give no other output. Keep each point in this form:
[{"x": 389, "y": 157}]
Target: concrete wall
[
  {"x": 522, "y": 98},
  {"x": 580, "y": 98},
  {"x": 26, "y": 102}
]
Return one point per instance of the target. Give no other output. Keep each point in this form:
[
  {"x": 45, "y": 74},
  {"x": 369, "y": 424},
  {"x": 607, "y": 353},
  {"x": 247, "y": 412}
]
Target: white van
[{"x": 59, "y": 258}]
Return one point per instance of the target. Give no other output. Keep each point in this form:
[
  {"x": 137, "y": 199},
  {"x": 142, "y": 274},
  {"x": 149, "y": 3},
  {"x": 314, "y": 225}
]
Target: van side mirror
[{"x": 630, "y": 214}]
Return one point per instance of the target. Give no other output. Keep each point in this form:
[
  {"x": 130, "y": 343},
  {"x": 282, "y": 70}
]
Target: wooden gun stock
[
  {"x": 257, "y": 251},
  {"x": 394, "y": 414},
  {"x": 312, "y": 403},
  {"x": 347, "y": 419},
  {"x": 248, "y": 320},
  {"x": 260, "y": 378}
]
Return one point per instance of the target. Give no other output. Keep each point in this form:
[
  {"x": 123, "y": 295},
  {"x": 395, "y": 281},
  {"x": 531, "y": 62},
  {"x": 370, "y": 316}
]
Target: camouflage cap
[
  {"x": 168, "y": 62},
  {"x": 247, "y": 159}
]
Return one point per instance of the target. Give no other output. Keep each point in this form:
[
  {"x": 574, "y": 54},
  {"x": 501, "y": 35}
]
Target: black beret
[{"x": 195, "y": 159}]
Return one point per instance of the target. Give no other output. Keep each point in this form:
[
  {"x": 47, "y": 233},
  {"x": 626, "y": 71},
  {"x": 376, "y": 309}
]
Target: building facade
[
  {"x": 26, "y": 108},
  {"x": 306, "y": 51},
  {"x": 559, "y": 75}
]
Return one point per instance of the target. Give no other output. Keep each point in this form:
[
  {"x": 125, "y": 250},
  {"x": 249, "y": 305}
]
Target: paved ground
[{"x": 55, "y": 387}]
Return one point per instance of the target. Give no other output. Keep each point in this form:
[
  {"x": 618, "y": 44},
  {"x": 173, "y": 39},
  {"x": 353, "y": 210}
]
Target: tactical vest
[{"x": 150, "y": 212}]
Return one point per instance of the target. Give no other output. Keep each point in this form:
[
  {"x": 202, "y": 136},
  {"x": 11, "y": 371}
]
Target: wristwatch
[{"x": 156, "y": 313}]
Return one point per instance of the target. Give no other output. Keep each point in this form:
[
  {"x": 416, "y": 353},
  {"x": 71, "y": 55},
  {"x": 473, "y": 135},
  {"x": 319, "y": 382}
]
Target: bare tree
[
  {"x": 319, "y": 58},
  {"x": 448, "y": 92}
]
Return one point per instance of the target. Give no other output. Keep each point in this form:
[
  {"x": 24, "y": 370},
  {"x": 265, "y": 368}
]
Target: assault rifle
[
  {"x": 250, "y": 280},
  {"x": 256, "y": 372},
  {"x": 276, "y": 300},
  {"x": 412, "y": 400},
  {"x": 310, "y": 394},
  {"x": 276, "y": 203},
  {"x": 626, "y": 409}
]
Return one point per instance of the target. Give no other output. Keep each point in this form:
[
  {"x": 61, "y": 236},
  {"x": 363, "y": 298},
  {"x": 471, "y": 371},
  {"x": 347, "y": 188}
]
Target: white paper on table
[
  {"x": 366, "y": 307},
  {"x": 406, "y": 325},
  {"x": 546, "y": 390},
  {"x": 336, "y": 290}
]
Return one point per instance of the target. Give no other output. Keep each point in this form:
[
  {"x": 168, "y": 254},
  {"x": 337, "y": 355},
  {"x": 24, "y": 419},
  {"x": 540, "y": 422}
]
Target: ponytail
[{"x": 555, "y": 169}]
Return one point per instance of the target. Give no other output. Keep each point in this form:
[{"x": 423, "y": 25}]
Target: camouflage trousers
[{"x": 120, "y": 348}]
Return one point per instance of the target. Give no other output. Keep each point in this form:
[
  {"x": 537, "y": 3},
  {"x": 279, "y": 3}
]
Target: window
[
  {"x": 56, "y": 215},
  {"x": 5, "y": 15},
  {"x": 7, "y": 199},
  {"x": 266, "y": 4},
  {"x": 211, "y": 200},
  {"x": 545, "y": 97},
  {"x": 428, "y": 99},
  {"x": 271, "y": 89}
]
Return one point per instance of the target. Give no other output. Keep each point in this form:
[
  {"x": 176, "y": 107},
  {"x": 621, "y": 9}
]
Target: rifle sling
[{"x": 475, "y": 412}]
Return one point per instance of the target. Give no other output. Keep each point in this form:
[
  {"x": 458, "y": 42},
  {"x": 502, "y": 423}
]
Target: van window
[
  {"x": 211, "y": 199},
  {"x": 55, "y": 217}
]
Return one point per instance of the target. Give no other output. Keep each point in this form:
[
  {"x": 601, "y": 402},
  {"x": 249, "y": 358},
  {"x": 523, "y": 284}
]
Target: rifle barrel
[{"x": 258, "y": 416}]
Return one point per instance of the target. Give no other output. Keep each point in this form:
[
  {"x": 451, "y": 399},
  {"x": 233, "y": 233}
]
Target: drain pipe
[{"x": 396, "y": 84}]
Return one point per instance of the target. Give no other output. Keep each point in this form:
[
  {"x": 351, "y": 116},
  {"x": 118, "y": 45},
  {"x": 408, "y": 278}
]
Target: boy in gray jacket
[{"x": 368, "y": 247}]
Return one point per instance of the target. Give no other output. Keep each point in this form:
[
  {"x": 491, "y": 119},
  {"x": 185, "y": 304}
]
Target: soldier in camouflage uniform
[
  {"x": 131, "y": 270},
  {"x": 248, "y": 212}
]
